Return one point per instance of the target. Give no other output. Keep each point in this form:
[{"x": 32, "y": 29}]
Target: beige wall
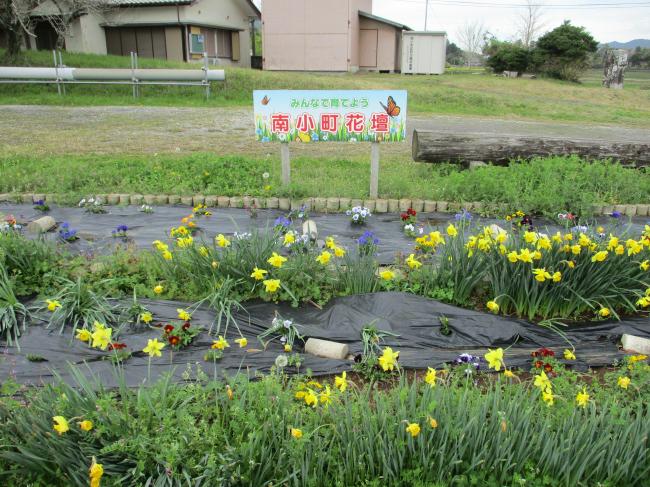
[
  {"x": 387, "y": 45},
  {"x": 306, "y": 35},
  {"x": 86, "y": 35},
  {"x": 353, "y": 48}
]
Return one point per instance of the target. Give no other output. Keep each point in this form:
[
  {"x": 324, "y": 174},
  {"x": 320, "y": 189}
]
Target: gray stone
[
  {"x": 210, "y": 201},
  {"x": 284, "y": 204},
  {"x": 404, "y": 204},
  {"x": 326, "y": 349},
  {"x": 223, "y": 201},
  {"x": 186, "y": 200},
  {"x": 272, "y": 203},
  {"x": 136, "y": 199},
  {"x": 635, "y": 344},
  {"x": 113, "y": 199},
  {"x": 370, "y": 204},
  {"x": 429, "y": 206},
  {"x": 149, "y": 199},
  {"x": 417, "y": 205},
  {"x": 381, "y": 206},
  {"x": 320, "y": 204},
  {"x": 643, "y": 210},
  {"x": 198, "y": 199},
  {"x": 344, "y": 204},
  {"x": 236, "y": 202},
  {"x": 309, "y": 228},
  {"x": 441, "y": 206},
  {"x": 41, "y": 225},
  {"x": 393, "y": 206},
  {"x": 174, "y": 199},
  {"x": 333, "y": 204},
  {"x": 161, "y": 199}
]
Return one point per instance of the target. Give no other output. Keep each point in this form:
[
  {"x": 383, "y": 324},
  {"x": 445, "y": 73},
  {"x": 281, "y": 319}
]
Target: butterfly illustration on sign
[
  {"x": 265, "y": 100},
  {"x": 391, "y": 108}
]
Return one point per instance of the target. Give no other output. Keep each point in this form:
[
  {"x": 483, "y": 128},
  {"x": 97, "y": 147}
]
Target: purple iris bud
[{"x": 616, "y": 214}]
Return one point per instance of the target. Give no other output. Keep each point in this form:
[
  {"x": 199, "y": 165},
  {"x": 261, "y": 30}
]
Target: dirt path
[{"x": 149, "y": 130}]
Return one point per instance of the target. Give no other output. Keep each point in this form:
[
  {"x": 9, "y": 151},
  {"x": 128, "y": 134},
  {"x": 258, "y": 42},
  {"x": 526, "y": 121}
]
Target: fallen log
[{"x": 429, "y": 146}]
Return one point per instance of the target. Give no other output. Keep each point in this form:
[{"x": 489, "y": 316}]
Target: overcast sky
[{"x": 619, "y": 20}]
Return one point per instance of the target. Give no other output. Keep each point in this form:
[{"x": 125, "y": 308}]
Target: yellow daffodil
[
  {"x": 604, "y": 312},
  {"x": 637, "y": 358},
  {"x": 412, "y": 262},
  {"x": 541, "y": 274},
  {"x": 214, "y": 264},
  {"x": 276, "y": 260},
  {"x": 388, "y": 359},
  {"x": 570, "y": 263},
  {"x": 296, "y": 433},
  {"x": 509, "y": 374},
  {"x": 493, "y": 306},
  {"x": 548, "y": 397},
  {"x": 623, "y": 382},
  {"x": 569, "y": 355},
  {"x": 158, "y": 289},
  {"x": 101, "y": 337},
  {"x": 203, "y": 250},
  {"x": 495, "y": 359},
  {"x": 167, "y": 255},
  {"x": 525, "y": 256},
  {"x": 643, "y": 302},
  {"x": 645, "y": 265},
  {"x": 430, "y": 377},
  {"x": 83, "y": 335},
  {"x": 433, "y": 423},
  {"x": 325, "y": 397},
  {"x": 341, "y": 381},
  {"x": 287, "y": 348},
  {"x": 85, "y": 425},
  {"x": 387, "y": 275},
  {"x": 222, "y": 241},
  {"x": 530, "y": 237},
  {"x": 542, "y": 381},
  {"x": 229, "y": 392},
  {"x": 220, "y": 344},
  {"x": 512, "y": 256},
  {"x": 557, "y": 238},
  {"x": 451, "y": 230},
  {"x": 95, "y": 473},
  {"x": 160, "y": 246},
  {"x": 153, "y": 348},
  {"x": 258, "y": 274},
  {"x": 52, "y": 304},
  {"x": 339, "y": 251},
  {"x": 242, "y": 342},
  {"x": 324, "y": 257},
  {"x": 146, "y": 317},
  {"x": 582, "y": 398},
  {"x": 544, "y": 243},
  {"x": 271, "y": 285},
  {"x": 613, "y": 242},
  {"x": 634, "y": 247},
  {"x": 330, "y": 243},
  {"x": 599, "y": 256},
  {"x": 289, "y": 238},
  {"x": 183, "y": 314},
  {"x": 576, "y": 249},
  {"x": 60, "y": 424},
  {"x": 568, "y": 237},
  {"x": 413, "y": 429},
  {"x": 557, "y": 276},
  {"x": 537, "y": 255},
  {"x": 584, "y": 240},
  {"x": 619, "y": 250}
]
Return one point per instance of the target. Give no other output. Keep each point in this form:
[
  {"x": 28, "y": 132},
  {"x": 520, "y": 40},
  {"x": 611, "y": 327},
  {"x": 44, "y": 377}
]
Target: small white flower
[
  {"x": 348, "y": 212},
  {"x": 266, "y": 175},
  {"x": 355, "y": 217},
  {"x": 82, "y": 202},
  {"x": 287, "y": 323},
  {"x": 281, "y": 361},
  {"x": 421, "y": 230}
]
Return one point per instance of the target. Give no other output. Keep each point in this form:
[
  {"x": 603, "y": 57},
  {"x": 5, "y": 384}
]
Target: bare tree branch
[
  {"x": 471, "y": 37},
  {"x": 529, "y": 22}
]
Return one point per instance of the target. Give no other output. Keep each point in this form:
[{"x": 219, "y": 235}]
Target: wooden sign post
[
  {"x": 374, "y": 170},
  {"x": 286, "y": 163}
]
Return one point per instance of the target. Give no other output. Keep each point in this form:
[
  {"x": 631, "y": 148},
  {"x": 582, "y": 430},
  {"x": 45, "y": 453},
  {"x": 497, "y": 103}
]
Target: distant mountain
[{"x": 630, "y": 44}]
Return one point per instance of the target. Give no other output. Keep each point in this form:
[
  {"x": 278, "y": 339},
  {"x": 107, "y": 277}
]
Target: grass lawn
[
  {"x": 576, "y": 185},
  {"x": 457, "y": 92}
]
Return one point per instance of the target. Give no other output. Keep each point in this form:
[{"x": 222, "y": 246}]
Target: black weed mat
[
  {"x": 95, "y": 229},
  {"x": 415, "y": 319}
]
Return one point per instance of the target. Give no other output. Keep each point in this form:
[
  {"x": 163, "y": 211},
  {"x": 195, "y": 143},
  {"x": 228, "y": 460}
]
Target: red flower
[
  {"x": 411, "y": 212},
  {"x": 546, "y": 352},
  {"x": 534, "y": 354},
  {"x": 404, "y": 216},
  {"x": 186, "y": 325},
  {"x": 116, "y": 346},
  {"x": 548, "y": 368},
  {"x": 169, "y": 328},
  {"x": 538, "y": 364},
  {"x": 174, "y": 340}
]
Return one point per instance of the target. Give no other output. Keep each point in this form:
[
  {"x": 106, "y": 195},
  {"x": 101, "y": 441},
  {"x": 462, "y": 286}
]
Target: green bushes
[{"x": 499, "y": 434}]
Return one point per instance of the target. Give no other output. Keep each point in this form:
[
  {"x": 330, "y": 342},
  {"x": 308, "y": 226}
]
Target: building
[
  {"x": 335, "y": 35},
  {"x": 180, "y": 30}
]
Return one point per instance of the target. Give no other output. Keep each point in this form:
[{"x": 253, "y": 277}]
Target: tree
[
  {"x": 564, "y": 52},
  {"x": 64, "y": 12},
  {"x": 472, "y": 37},
  {"x": 454, "y": 54},
  {"x": 529, "y": 23},
  {"x": 15, "y": 22},
  {"x": 507, "y": 56}
]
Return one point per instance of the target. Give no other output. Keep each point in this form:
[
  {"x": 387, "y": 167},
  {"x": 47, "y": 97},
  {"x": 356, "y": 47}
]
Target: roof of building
[
  {"x": 152, "y": 3},
  {"x": 383, "y": 20}
]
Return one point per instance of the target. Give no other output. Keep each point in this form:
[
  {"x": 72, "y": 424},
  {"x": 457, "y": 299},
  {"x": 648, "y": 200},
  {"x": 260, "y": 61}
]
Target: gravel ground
[{"x": 140, "y": 130}]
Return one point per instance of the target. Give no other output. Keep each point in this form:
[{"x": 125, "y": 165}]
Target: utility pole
[{"x": 426, "y": 14}]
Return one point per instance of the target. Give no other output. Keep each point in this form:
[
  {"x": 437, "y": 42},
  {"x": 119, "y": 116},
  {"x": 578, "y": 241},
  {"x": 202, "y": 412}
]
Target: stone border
[{"x": 325, "y": 205}]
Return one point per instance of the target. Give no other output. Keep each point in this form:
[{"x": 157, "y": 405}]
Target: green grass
[
  {"x": 467, "y": 93},
  {"x": 575, "y": 185}
]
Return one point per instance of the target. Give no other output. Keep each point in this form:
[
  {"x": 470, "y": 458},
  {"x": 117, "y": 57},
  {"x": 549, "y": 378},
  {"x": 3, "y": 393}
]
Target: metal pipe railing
[{"x": 135, "y": 76}]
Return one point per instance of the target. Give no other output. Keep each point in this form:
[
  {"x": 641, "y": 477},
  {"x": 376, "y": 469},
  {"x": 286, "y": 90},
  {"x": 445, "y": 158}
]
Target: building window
[
  {"x": 197, "y": 43},
  {"x": 224, "y": 43}
]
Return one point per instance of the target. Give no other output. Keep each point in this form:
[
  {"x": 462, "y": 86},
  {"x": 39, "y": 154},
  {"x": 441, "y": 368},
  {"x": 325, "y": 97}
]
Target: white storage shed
[{"x": 424, "y": 52}]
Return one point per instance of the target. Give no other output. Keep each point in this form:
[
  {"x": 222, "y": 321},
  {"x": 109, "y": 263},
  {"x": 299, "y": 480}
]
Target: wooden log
[
  {"x": 614, "y": 64},
  {"x": 431, "y": 146}
]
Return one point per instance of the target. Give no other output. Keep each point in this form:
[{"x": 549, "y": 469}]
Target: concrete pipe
[
  {"x": 10, "y": 72},
  {"x": 92, "y": 74}
]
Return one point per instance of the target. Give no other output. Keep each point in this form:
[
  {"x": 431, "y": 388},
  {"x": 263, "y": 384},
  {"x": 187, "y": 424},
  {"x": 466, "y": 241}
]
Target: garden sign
[{"x": 330, "y": 116}]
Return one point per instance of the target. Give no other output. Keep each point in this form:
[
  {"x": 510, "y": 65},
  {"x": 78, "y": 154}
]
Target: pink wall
[
  {"x": 387, "y": 45},
  {"x": 307, "y": 35}
]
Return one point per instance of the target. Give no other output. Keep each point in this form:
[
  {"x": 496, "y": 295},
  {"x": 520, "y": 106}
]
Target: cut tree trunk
[
  {"x": 434, "y": 147},
  {"x": 614, "y": 62}
]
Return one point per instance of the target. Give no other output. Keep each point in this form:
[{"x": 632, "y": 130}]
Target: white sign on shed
[{"x": 424, "y": 52}]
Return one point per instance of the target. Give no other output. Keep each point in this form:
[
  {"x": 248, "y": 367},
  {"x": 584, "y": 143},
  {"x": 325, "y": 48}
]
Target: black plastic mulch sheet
[
  {"x": 415, "y": 319},
  {"x": 95, "y": 229}
]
